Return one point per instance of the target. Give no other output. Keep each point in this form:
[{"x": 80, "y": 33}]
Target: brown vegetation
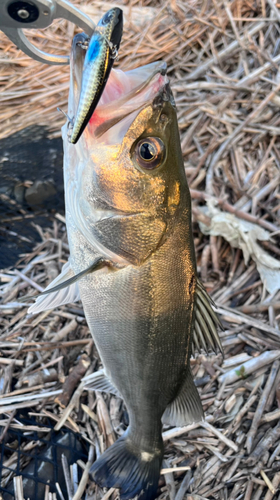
[{"x": 223, "y": 63}]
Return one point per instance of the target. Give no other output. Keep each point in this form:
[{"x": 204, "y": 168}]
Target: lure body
[{"x": 98, "y": 63}]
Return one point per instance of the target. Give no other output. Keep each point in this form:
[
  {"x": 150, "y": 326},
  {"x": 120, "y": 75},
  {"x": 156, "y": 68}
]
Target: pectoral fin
[
  {"x": 206, "y": 324},
  {"x": 64, "y": 289},
  {"x": 186, "y": 408},
  {"x": 48, "y": 300},
  {"x": 98, "y": 264}
]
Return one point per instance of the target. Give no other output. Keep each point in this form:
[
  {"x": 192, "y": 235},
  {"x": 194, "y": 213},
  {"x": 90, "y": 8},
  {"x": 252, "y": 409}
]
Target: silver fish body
[
  {"x": 141, "y": 311},
  {"x": 128, "y": 203}
]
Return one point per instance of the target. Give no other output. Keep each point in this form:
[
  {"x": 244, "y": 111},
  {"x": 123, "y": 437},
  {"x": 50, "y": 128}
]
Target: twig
[
  {"x": 29, "y": 281},
  {"x": 249, "y": 367},
  {"x": 223, "y": 54},
  {"x": 70, "y": 327},
  {"x": 73, "y": 380},
  {"x": 184, "y": 486},
  {"x": 84, "y": 479},
  {"x": 59, "y": 491},
  {"x": 217, "y": 433},
  {"x": 265, "y": 444},
  {"x": 199, "y": 195},
  {"x": 6, "y": 428},
  {"x": 166, "y": 470},
  {"x": 67, "y": 477},
  {"x": 178, "y": 431},
  {"x": 268, "y": 482},
  {"x": 18, "y": 488},
  {"x": 259, "y": 412},
  {"x": 273, "y": 487}
]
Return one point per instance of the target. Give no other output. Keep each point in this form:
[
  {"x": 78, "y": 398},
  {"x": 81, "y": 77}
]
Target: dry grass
[{"x": 224, "y": 66}]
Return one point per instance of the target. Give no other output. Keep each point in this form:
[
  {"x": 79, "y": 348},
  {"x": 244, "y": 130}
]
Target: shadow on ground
[{"x": 31, "y": 189}]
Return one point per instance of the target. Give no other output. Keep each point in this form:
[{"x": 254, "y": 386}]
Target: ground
[{"x": 223, "y": 60}]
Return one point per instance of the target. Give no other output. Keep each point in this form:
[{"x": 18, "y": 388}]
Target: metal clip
[{"x": 38, "y": 14}]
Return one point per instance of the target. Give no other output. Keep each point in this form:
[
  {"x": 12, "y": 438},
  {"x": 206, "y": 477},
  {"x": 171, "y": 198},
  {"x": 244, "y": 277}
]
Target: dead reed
[{"x": 223, "y": 60}]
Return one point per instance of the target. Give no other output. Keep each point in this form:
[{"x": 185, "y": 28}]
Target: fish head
[{"x": 125, "y": 183}]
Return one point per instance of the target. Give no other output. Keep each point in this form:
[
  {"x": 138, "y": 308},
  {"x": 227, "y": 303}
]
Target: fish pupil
[{"x": 147, "y": 151}]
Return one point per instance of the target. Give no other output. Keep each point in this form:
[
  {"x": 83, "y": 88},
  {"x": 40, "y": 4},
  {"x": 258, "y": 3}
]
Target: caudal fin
[{"x": 133, "y": 474}]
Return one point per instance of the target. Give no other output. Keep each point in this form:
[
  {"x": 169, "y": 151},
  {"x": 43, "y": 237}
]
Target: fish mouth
[{"x": 125, "y": 94}]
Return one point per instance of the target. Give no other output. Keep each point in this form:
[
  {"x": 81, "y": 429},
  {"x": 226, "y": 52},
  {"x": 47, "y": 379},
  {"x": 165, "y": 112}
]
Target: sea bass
[{"x": 132, "y": 263}]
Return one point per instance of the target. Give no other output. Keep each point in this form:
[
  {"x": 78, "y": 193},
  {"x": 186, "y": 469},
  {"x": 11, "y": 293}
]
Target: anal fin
[
  {"x": 186, "y": 408},
  {"x": 98, "y": 381}
]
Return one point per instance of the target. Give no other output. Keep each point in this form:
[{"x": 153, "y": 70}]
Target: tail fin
[{"x": 134, "y": 474}]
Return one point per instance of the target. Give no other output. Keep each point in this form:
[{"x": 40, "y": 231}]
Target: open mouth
[{"x": 125, "y": 94}]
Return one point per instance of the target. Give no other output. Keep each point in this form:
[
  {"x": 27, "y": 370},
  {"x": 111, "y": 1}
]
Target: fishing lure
[{"x": 101, "y": 52}]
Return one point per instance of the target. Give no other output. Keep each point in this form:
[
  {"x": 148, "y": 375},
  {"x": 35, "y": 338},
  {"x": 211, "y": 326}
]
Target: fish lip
[{"x": 164, "y": 95}]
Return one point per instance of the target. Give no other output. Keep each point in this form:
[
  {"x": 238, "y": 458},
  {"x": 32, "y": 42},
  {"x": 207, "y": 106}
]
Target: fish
[
  {"x": 100, "y": 55},
  {"x": 132, "y": 263}
]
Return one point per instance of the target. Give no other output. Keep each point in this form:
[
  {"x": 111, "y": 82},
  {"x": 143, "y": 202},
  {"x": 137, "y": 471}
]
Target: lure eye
[
  {"x": 149, "y": 152},
  {"x": 107, "y": 18}
]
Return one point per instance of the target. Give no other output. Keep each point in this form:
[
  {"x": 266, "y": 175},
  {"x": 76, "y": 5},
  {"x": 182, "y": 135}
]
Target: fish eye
[{"x": 149, "y": 152}]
